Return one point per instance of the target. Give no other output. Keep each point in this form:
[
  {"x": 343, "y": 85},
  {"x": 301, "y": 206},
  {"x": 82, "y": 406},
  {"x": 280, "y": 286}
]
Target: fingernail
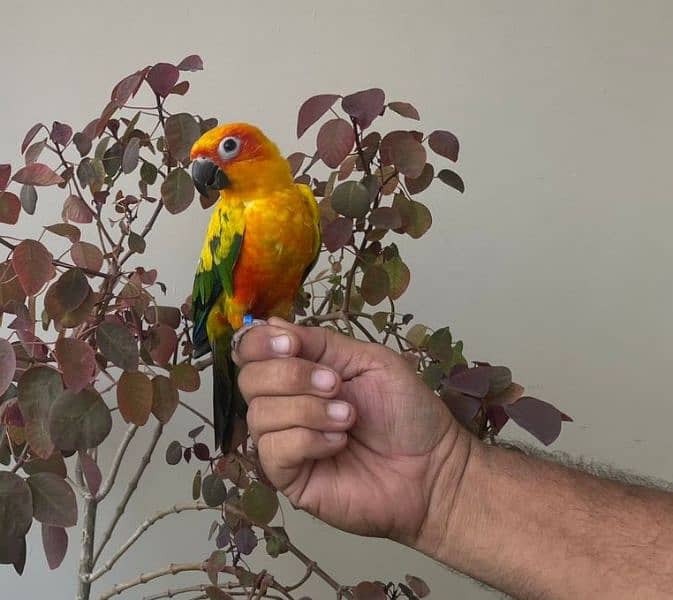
[
  {"x": 280, "y": 344},
  {"x": 339, "y": 411},
  {"x": 334, "y": 436},
  {"x": 323, "y": 380}
]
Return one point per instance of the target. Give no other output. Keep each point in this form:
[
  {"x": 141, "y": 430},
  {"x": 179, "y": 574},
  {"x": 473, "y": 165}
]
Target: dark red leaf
[
  {"x": 364, "y": 106},
  {"x": 82, "y": 143},
  {"x": 76, "y": 210},
  {"x": 385, "y": 217},
  {"x": 126, "y": 89},
  {"x": 444, "y": 143},
  {"x": 405, "y": 109},
  {"x": 60, "y": 133},
  {"x": 77, "y": 362},
  {"x": 192, "y": 63},
  {"x": 180, "y": 89},
  {"x": 55, "y": 544},
  {"x": 5, "y": 172},
  {"x": 162, "y": 77},
  {"x": 407, "y": 154},
  {"x": 472, "y": 382},
  {"x": 201, "y": 451},
  {"x": 37, "y": 174},
  {"x": 32, "y": 132},
  {"x": 337, "y": 233},
  {"x": 537, "y": 417},
  {"x": 92, "y": 473},
  {"x": 312, "y": 109},
  {"x": 34, "y": 150},
  {"x": 335, "y": 140},
  {"x": 451, "y": 179},
  {"x": 134, "y": 397},
  {"x": 10, "y": 207},
  {"x": 296, "y": 160},
  {"x": 415, "y": 185},
  {"x": 32, "y": 265},
  {"x": 418, "y": 586}
]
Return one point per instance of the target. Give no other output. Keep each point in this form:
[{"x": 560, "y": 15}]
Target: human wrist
[{"x": 450, "y": 485}]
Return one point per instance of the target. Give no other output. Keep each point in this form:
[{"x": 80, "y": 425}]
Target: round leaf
[
  {"x": 60, "y": 133},
  {"x": 16, "y": 505},
  {"x": 37, "y": 174},
  {"x": 78, "y": 421},
  {"x": 87, "y": 256},
  {"x": 134, "y": 397},
  {"x": 408, "y": 155},
  {"x": 32, "y": 265},
  {"x": 174, "y": 453},
  {"x": 417, "y": 585},
  {"x": 259, "y": 502},
  {"x": 66, "y": 294},
  {"x": 337, "y": 233},
  {"x": 185, "y": 377},
  {"x": 537, "y": 417},
  {"x": 375, "y": 285},
  {"x": 76, "y": 210},
  {"x": 77, "y": 362},
  {"x": 444, "y": 143},
  {"x": 164, "y": 398},
  {"x": 312, "y": 109},
  {"x": 213, "y": 490},
  {"x": 364, "y": 106},
  {"x": 162, "y": 77},
  {"x": 415, "y": 185},
  {"x": 351, "y": 199},
  {"x": 193, "y": 62},
  {"x": 335, "y": 140},
  {"x": 38, "y": 389},
  {"x": 118, "y": 345},
  {"x": 10, "y": 207},
  {"x": 7, "y": 365},
  {"x": 451, "y": 179},
  {"x": 182, "y": 131},
  {"x": 405, "y": 109},
  {"x": 399, "y": 276},
  {"x": 177, "y": 191},
  {"x": 54, "y": 501},
  {"x": 368, "y": 590},
  {"x": 385, "y": 217}
]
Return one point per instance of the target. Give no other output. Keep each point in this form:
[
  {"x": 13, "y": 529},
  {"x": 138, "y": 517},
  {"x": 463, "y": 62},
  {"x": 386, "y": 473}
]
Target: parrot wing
[
  {"x": 307, "y": 193},
  {"x": 215, "y": 273}
]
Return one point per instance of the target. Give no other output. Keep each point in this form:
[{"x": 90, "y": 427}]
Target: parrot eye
[{"x": 229, "y": 147}]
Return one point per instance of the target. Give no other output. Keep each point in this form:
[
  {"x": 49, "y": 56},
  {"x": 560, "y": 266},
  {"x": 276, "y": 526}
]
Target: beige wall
[{"x": 556, "y": 261}]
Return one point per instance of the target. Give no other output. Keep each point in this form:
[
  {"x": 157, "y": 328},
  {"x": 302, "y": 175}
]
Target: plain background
[{"x": 556, "y": 261}]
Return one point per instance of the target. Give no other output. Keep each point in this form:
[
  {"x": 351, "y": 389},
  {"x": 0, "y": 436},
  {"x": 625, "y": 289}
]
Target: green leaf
[
  {"x": 398, "y": 275},
  {"x": 38, "y": 388},
  {"x": 196, "y": 485},
  {"x": 118, "y": 345},
  {"x": 451, "y": 179},
  {"x": 16, "y": 506},
  {"x": 131, "y": 156},
  {"x": 148, "y": 173},
  {"x": 134, "y": 397},
  {"x": 7, "y": 364},
  {"x": 216, "y": 561},
  {"x": 66, "y": 294},
  {"x": 380, "y": 320},
  {"x": 79, "y": 421},
  {"x": 259, "y": 503},
  {"x": 375, "y": 285},
  {"x": 351, "y": 199},
  {"x": 174, "y": 453},
  {"x": 66, "y": 230},
  {"x": 28, "y": 198},
  {"x": 136, "y": 242},
  {"x": 182, "y": 131},
  {"x": 213, "y": 490},
  {"x": 439, "y": 344},
  {"x": 54, "y": 501},
  {"x": 177, "y": 191},
  {"x": 432, "y": 375}
]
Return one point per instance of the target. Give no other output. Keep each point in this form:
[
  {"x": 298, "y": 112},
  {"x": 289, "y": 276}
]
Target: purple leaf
[
  {"x": 404, "y": 109},
  {"x": 37, "y": 174},
  {"x": 162, "y": 77},
  {"x": 92, "y": 473},
  {"x": 193, "y": 62},
  {"x": 364, "y": 106},
  {"x": 5, "y": 172},
  {"x": 55, "y": 543},
  {"x": 32, "y": 132},
  {"x": 472, "y": 382},
  {"x": 124, "y": 90},
  {"x": 60, "y": 133},
  {"x": 539, "y": 418},
  {"x": 245, "y": 540},
  {"x": 312, "y": 109},
  {"x": 335, "y": 140},
  {"x": 444, "y": 143}
]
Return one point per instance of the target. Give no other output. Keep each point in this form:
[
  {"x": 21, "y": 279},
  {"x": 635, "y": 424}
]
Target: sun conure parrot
[{"x": 262, "y": 240}]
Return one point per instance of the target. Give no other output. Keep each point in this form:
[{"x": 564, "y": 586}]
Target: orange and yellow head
[{"x": 235, "y": 156}]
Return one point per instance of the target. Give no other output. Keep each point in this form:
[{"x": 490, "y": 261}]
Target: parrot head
[{"x": 233, "y": 156}]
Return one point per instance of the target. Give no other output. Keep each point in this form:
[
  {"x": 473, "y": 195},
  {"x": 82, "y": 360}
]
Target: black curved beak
[{"x": 208, "y": 176}]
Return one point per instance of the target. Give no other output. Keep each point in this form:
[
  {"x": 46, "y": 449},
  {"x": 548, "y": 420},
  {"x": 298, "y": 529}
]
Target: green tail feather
[{"x": 228, "y": 404}]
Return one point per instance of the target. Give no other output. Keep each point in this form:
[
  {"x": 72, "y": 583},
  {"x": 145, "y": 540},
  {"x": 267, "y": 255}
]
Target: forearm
[{"x": 536, "y": 529}]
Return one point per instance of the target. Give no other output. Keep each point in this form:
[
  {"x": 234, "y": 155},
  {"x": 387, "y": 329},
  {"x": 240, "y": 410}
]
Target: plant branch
[
  {"x": 116, "y": 462},
  {"x": 174, "y": 510},
  {"x": 133, "y": 484},
  {"x": 196, "y": 412},
  {"x": 87, "y": 542}
]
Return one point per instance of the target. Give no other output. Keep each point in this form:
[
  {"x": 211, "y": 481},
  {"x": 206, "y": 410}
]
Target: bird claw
[{"x": 249, "y": 323}]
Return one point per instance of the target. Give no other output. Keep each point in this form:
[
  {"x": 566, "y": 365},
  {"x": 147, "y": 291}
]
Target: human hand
[{"x": 347, "y": 430}]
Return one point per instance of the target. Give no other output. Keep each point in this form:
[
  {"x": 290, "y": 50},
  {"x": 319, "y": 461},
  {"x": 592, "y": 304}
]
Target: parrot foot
[{"x": 248, "y": 323}]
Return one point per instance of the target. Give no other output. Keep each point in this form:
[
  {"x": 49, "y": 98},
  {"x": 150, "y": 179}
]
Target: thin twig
[
  {"x": 116, "y": 462},
  {"x": 196, "y": 412},
  {"x": 174, "y": 510},
  {"x": 133, "y": 484}
]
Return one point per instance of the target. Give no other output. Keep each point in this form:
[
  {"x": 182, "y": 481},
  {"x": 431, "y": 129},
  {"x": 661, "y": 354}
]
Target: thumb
[{"x": 343, "y": 354}]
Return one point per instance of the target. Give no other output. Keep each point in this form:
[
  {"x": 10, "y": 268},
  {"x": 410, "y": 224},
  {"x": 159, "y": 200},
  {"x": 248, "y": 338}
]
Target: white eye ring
[{"x": 229, "y": 148}]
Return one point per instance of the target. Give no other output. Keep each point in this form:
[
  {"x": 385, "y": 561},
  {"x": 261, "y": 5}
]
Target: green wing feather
[{"x": 215, "y": 271}]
